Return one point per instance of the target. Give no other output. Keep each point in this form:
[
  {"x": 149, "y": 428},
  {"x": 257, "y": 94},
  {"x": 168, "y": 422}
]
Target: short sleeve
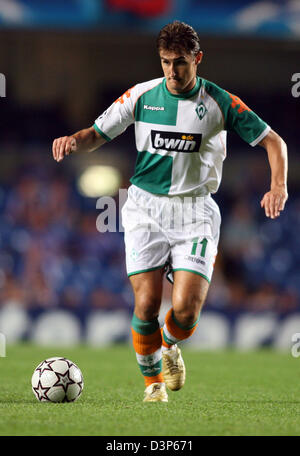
[
  {"x": 237, "y": 116},
  {"x": 241, "y": 119},
  {"x": 117, "y": 117}
]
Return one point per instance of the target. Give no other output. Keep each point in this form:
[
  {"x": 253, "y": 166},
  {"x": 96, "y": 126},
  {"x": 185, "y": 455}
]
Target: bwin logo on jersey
[
  {"x": 175, "y": 141},
  {"x": 201, "y": 110}
]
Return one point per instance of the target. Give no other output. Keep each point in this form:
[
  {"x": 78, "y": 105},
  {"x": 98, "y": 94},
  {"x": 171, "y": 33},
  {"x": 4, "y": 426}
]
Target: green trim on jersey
[
  {"x": 153, "y": 172},
  {"x": 154, "y": 107},
  {"x": 248, "y": 125},
  {"x": 107, "y": 138},
  {"x": 184, "y": 95}
]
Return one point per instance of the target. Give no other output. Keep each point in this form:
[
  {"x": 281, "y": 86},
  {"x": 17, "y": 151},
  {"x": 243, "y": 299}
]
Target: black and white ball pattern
[{"x": 57, "y": 379}]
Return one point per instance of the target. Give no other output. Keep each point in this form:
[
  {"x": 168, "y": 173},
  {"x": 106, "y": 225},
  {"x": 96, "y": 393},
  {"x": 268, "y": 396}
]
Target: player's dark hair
[{"x": 178, "y": 36}]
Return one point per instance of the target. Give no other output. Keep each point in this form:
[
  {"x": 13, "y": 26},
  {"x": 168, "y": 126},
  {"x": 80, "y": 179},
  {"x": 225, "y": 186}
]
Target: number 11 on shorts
[{"x": 203, "y": 249}]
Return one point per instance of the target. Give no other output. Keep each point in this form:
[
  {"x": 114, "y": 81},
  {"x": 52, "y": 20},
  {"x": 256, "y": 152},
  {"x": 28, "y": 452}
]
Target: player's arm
[
  {"x": 85, "y": 140},
  {"x": 274, "y": 200},
  {"x": 241, "y": 119},
  {"x": 107, "y": 126}
]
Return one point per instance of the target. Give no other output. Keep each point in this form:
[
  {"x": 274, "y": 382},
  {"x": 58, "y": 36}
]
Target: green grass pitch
[{"x": 227, "y": 393}]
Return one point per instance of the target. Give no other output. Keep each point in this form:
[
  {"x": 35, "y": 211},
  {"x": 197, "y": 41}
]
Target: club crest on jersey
[
  {"x": 201, "y": 110},
  {"x": 175, "y": 141}
]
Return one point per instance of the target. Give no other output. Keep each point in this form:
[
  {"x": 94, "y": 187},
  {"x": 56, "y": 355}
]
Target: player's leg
[
  {"x": 146, "y": 334},
  {"x": 147, "y": 252},
  {"x": 193, "y": 254},
  {"x": 188, "y": 297}
]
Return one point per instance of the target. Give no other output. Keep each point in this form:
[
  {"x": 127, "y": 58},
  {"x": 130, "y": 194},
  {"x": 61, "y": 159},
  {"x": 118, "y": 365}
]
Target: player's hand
[
  {"x": 274, "y": 201},
  {"x": 63, "y": 146}
]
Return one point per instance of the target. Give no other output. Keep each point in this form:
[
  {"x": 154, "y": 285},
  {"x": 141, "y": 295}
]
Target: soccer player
[{"x": 180, "y": 122}]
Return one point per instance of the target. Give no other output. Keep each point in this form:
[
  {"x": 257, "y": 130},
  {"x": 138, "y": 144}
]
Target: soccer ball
[{"x": 57, "y": 379}]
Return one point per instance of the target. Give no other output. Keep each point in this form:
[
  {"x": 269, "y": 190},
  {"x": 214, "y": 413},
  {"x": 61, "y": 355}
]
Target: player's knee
[
  {"x": 187, "y": 309},
  {"x": 147, "y": 307},
  {"x": 186, "y": 318}
]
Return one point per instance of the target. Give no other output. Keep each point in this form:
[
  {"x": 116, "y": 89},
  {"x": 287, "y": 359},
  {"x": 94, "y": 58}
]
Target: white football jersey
[{"x": 180, "y": 139}]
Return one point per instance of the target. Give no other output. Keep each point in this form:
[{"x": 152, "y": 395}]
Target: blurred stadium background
[{"x": 64, "y": 62}]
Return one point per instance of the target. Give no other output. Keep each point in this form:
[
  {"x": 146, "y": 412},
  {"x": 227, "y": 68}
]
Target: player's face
[{"x": 180, "y": 70}]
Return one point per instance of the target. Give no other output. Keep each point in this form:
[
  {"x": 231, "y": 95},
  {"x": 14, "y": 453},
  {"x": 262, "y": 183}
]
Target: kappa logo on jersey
[
  {"x": 175, "y": 141},
  {"x": 154, "y": 108},
  {"x": 201, "y": 110}
]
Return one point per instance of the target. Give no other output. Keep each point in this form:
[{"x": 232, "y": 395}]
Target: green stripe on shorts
[
  {"x": 191, "y": 270},
  {"x": 145, "y": 270}
]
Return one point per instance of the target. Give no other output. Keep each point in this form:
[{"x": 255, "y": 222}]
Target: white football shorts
[{"x": 171, "y": 232}]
